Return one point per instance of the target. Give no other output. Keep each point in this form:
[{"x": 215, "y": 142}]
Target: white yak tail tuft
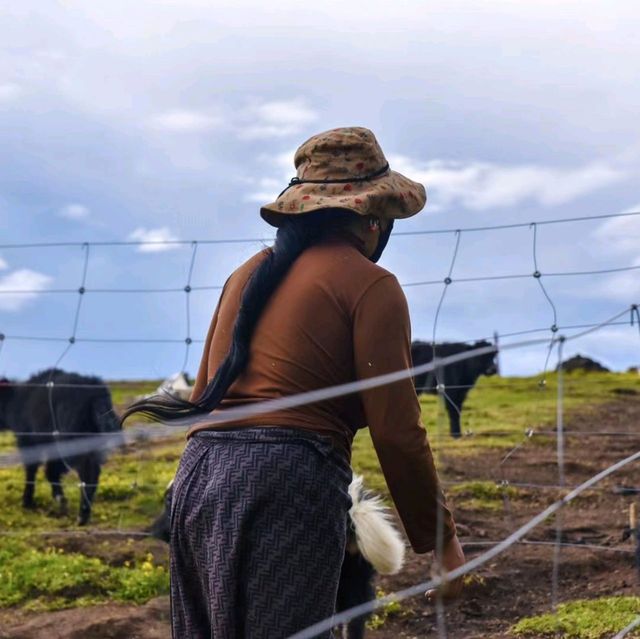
[{"x": 377, "y": 538}]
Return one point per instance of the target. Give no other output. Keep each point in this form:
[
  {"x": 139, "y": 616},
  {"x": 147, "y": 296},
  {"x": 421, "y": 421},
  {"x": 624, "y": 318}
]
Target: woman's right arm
[{"x": 382, "y": 344}]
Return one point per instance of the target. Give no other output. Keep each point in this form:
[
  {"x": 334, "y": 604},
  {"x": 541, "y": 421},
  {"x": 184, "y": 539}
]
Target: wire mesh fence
[{"x": 75, "y": 443}]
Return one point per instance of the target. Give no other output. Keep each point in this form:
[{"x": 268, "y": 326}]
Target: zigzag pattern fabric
[{"x": 258, "y": 532}]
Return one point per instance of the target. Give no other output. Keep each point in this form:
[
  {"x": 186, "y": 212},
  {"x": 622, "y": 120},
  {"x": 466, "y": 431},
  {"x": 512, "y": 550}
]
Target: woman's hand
[{"x": 452, "y": 558}]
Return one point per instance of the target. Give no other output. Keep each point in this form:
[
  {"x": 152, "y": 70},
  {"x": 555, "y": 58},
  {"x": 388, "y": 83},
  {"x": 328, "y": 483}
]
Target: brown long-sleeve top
[{"x": 336, "y": 317}]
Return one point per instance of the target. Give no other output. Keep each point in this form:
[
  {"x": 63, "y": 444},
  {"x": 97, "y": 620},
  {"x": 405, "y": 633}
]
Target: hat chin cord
[{"x": 357, "y": 178}]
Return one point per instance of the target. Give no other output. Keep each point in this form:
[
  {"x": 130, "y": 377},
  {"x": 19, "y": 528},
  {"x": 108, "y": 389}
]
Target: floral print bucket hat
[{"x": 345, "y": 168}]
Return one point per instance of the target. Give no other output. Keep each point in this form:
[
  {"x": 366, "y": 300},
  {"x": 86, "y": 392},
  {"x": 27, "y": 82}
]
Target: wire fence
[
  {"x": 104, "y": 440},
  {"x": 628, "y": 629},
  {"x": 67, "y": 445},
  {"x": 470, "y": 566},
  {"x": 268, "y": 239}
]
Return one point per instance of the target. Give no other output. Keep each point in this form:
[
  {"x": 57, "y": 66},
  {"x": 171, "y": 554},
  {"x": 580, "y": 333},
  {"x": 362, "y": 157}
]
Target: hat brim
[{"x": 391, "y": 195}]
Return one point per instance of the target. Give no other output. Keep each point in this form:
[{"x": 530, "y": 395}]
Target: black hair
[{"x": 296, "y": 234}]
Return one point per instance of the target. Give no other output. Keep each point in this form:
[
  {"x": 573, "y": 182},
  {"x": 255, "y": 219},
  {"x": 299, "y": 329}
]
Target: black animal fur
[
  {"x": 77, "y": 412},
  {"x": 463, "y": 373}
]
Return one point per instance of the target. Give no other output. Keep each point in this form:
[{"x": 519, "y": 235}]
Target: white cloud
[
  {"x": 275, "y": 119},
  {"x": 615, "y": 347},
  {"x": 610, "y": 345},
  {"x": 9, "y": 91},
  {"x": 21, "y": 280},
  {"x": 260, "y": 197},
  {"x": 3, "y": 265},
  {"x": 159, "y": 238},
  {"x": 523, "y": 361},
  {"x": 74, "y": 211},
  {"x": 623, "y": 287},
  {"x": 259, "y": 120},
  {"x": 185, "y": 121},
  {"x": 474, "y": 185},
  {"x": 284, "y": 160},
  {"x": 620, "y": 235},
  {"x": 484, "y": 185},
  {"x": 267, "y": 188}
]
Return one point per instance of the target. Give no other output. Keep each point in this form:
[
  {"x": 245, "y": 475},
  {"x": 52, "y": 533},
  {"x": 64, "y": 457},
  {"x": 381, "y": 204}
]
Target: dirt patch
[
  {"x": 150, "y": 621},
  {"x": 518, "y": 583},
  {"x": 112, "y": 549},
  {"x": 515, "y": 584}
]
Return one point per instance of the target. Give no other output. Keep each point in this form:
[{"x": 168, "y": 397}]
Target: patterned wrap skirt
[{"x": 258, "y": 531}]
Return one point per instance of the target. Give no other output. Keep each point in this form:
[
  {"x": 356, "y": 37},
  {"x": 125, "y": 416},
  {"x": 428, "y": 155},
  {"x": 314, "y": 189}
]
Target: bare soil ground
[{"x": 513, "y": 585}]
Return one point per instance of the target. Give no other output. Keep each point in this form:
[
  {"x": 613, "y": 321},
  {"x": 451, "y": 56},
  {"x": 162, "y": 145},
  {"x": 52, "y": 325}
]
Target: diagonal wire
[
  {"x": 503, "y": 482},
  {"x": 534, "y": 542},
  {"x": 265, "y": 407},
  {"x": 515, "y": 384},
  {"x": 596, "y": 327},
  {"x": 447, "y": 283},
  {"x": 474, "y": 564},
  {"x": 307, "y": 397},
  {"x": 625, "y": 631}
]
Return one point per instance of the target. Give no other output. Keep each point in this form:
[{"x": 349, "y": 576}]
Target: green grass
[
  {"x": 129, "y": 495},
  {"x": 50, "y": 579},
  {"x": 7, "y": 442},
  {"x": 583, "y": 619},
  {"x": 499, "y": 411},
  {"x": 38, "y": 571},
  {"x": 123, "y": 393},
  {"x": 499, "y": 405},
  {"x": 391, "y": 609},
  {"x": 482, "y": 495}
]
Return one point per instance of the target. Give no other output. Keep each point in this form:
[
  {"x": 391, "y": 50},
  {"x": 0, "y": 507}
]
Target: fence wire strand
[
  {"x": 63, "y": 448},
  {"x": 292, "y": 401},
  {"x": 254, "y": 240},
  {"x": 218, "y": 287},
  {"x": 470, "y": 566},
  {"x": 555, "y": 572},
  {"x": 142, "y": 340},
  {"x": 626, "y": 631},
  {"x": 440, "y": 387}
]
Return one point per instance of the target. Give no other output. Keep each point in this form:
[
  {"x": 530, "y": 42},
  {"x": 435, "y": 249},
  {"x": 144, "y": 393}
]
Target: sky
[{"x": 176, "y": 120}]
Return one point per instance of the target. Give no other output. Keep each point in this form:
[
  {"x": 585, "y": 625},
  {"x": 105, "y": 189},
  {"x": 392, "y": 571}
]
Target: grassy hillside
[{"x": 41, "y": 568}]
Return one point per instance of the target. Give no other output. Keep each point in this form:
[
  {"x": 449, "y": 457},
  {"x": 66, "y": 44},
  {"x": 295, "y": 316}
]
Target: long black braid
[{"x": 296, "y": 234}]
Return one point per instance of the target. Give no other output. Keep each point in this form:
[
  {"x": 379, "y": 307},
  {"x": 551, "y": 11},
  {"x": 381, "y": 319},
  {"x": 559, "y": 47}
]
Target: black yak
[
  {"x": 458, "y": 378},
  {"x": 373, "y": 545},
  {"x": 75, "y": 406}
]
